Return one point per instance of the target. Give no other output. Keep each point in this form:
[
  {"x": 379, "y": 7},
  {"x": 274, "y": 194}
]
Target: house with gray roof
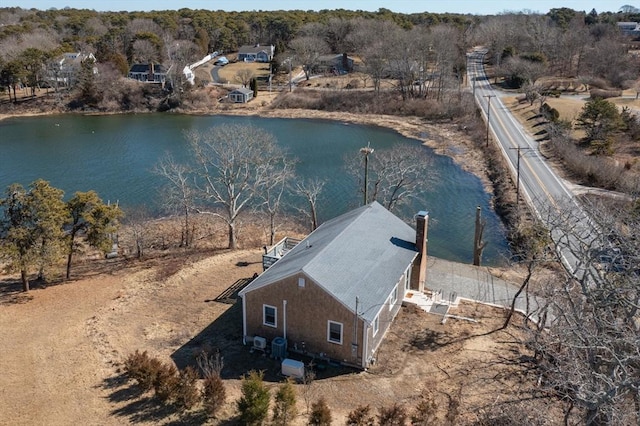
[
  {"x": 241, "y": 95},
  {"x": 256, "y": 53},
  {"x": 148, "y": 73},
  {"x": 334, "y": 294}
]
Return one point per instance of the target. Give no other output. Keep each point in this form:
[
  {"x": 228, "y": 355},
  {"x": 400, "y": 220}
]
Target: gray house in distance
[
  {"x": 256, "y": 53},
  {"x": 148, "y": 73},
  {"x": 335, "y": 294},
  {"x": 241, "y": 95}
]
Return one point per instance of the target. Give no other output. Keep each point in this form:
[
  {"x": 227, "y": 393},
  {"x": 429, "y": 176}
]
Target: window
[
  {"x": 269, "y": 316},
  {"x": 334, "y": 332},
  {"x": 301, "y": 282},
  {"x": 376, "y": 325},
  {"x": 394, "y": 297}
]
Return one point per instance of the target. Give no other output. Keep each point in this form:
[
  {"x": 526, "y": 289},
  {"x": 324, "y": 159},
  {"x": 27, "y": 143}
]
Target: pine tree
[
  {"x": 31, "y": 229},
  {"x": 285, "y": 404},
  {"x": 320, "y": 413},
  {"x": 254, "y": 402}
]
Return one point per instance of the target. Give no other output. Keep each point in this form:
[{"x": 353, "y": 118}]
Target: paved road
[{"x": 542, "y": 189}]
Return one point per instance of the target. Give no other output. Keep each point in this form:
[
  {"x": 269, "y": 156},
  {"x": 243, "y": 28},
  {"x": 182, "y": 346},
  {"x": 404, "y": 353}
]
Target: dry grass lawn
[{"x": 63, "y": 347}]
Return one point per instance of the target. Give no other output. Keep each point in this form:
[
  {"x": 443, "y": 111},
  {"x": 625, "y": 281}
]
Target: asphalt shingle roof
[
  {"x": 158, "y": 68},
  {"x": 362, "y": 253}
]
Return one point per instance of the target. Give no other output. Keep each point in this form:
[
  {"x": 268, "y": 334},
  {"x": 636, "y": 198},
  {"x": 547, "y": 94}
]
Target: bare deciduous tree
[
  {"x": 138, "y": 222},
  {"x": 369, "y": 38},
  {"x": 307, "y": 50},
  {"x": 310, "y": 190},
  {"x": 234, "y": 163},
  {"x": 244, "y": 76},
  {"x": 395, "y": 175},
  {"x": 144, "y": 51},
  {"x": 180, "y": 53},
  {"x": 179, "y": 193},
  {"x": 278, "y": 176},
  {"x": 587, "y": 350}
]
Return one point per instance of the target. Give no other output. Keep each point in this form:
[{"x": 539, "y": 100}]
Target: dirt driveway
[{"x": 62, "y": 348}]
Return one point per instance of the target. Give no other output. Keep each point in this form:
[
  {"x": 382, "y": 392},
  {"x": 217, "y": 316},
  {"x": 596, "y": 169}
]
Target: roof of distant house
[
  {"x": 242, "y": 90},
  {"x": 255, "y": 49},
  {"x": 143, "y": 68}
]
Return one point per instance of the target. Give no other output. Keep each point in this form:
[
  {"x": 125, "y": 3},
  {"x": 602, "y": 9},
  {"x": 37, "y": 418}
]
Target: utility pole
[
  {"x": 366, "y": 151},
  {"x": 488, "y": 114},
  {"x": 289, "y": 61},
  {"x": 518, "y": 173}
]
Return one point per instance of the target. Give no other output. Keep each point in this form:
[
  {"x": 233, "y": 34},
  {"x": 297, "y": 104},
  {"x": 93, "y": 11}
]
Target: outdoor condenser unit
[
  {"x": 279, "y": 348},
  {"x": 259, "y": 343}
]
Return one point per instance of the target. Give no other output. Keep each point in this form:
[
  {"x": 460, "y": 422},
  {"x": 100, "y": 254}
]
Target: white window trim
[
  {"x": 376, "y": 325},
  {"x": 275, "y": 316},
  {"x": 393, "y": 297},
  {"x": 407, "y": 279},
  {"x": 329, "y": 322}
]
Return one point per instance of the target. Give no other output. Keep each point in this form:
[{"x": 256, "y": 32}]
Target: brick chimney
[
  {"x": 422, "y": 221},
  {"x": 151, "y": 72}
]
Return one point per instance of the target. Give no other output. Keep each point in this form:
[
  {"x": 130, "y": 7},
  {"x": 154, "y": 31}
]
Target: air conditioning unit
[{"x": 259, "y": 343}]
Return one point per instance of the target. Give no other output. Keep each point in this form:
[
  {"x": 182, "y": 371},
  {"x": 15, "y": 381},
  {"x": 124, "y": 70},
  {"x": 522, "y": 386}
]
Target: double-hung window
[
  {"x": 269, "y": 315},
  {"x": 334, "y": 332},
  {"x": 376, "y": 324},
  {"x": 393, "y": 298}
]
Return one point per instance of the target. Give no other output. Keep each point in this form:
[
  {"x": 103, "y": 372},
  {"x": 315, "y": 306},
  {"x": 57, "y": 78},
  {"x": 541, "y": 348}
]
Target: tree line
[{"x": 424, "y": 53}]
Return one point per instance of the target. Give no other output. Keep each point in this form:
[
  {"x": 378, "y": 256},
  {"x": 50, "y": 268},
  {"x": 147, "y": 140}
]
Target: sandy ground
[
  {"x": 62, "y": 347},
  {"x": 62, "y": 342}
]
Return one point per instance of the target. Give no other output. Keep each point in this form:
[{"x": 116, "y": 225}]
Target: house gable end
[{"x": 303, "y": 314}]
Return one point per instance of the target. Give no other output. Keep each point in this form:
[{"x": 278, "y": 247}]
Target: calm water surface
[{"x": 114, "y": 155}]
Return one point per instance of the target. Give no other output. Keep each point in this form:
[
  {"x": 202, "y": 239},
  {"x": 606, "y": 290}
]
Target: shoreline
[{"x": 443, "y": 138}]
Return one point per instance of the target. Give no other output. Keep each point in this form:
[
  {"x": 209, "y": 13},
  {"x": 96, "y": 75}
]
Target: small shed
[{"x": 241, "y": 95}]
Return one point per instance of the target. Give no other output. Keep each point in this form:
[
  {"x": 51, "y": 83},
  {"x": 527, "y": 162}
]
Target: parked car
[{"x": 221, "y": 61}]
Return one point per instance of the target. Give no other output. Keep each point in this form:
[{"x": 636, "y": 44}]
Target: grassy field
[{"x": 229, "y": 72}]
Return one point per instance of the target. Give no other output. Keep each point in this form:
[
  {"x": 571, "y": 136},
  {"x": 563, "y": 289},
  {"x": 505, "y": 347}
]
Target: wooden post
[
  {"x": 366, "y": 151},
  {"x": 478, "y": 244}
]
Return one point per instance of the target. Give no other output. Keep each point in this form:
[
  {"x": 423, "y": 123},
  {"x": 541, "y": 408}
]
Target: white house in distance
[
  {"x": 334, "y": 295},
  {"x": 67, "y": 67}
]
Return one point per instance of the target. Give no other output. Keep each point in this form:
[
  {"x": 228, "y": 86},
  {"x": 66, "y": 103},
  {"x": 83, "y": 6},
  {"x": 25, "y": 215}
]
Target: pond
[{"x": 114, "y": 155}]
